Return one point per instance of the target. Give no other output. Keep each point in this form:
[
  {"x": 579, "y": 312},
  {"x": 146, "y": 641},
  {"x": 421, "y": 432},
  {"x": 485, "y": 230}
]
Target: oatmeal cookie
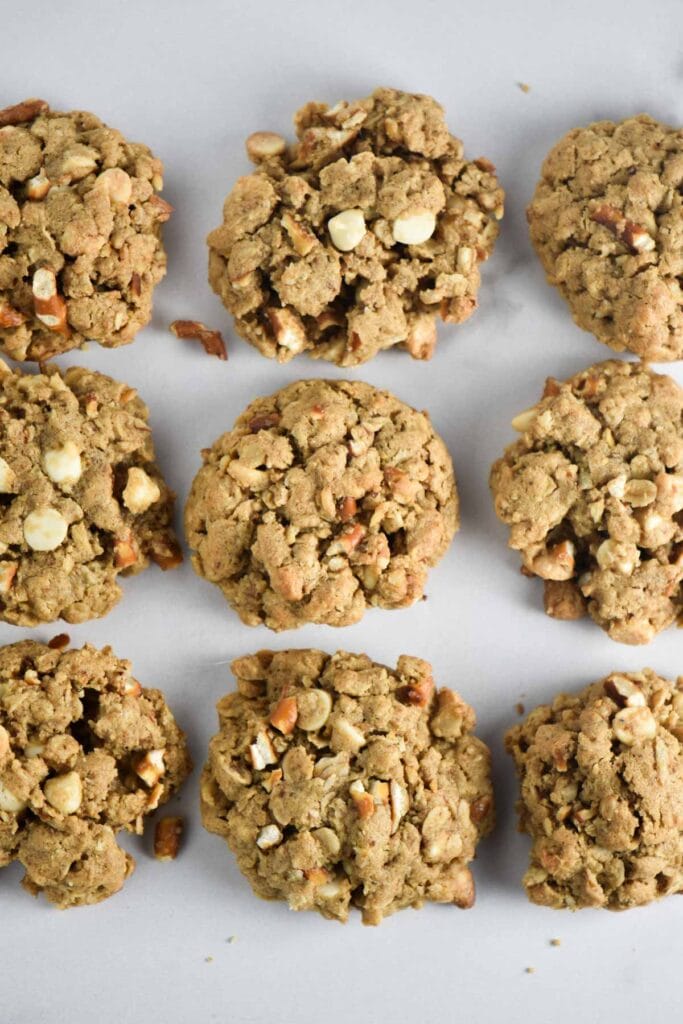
[
  {"x": 337, "y": 781},
  {"x": 81, "y": 499},
  {"x": 593, "y": 493},
  {"x": 601, "y": 776},
  {"x": 357, "y": 236},
  {"x": 324, "y": 498},
  {"x": 80, "y": 227},
  {"x": 607, "y": 223},
  {"x": 85, "y": 751}
]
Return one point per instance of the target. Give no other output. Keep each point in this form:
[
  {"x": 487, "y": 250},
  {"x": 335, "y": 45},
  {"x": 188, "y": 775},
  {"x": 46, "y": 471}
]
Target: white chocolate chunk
[
  {"x": 45, "y": 529},
  {"x": 63, "y": 465},
  {"x": 414, "y": 228},
  {"x": 347, "y": 229},
  {"x": 9, "y": 802},
  {"x": 7, "y": 477},
  {"x": 140, "y": 491},
  {"x": 269, "y": 837},
  {"x": 64, "y": 792}
]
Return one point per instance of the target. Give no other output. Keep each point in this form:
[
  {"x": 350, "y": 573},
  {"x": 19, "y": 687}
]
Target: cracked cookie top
[
  {"x": 338, "y": 782},
  {"x": 81, "y": 498},
  {"x": 80, "y": 225},
  {"x": 593, "y": 495},
  {"x": 607, "y": 223},
  {"x": 324, "y": 498},
  {"x": 85, "y": 751},
  {"x": 601, "y": 776},
  {"x": 354, "y": 238}
]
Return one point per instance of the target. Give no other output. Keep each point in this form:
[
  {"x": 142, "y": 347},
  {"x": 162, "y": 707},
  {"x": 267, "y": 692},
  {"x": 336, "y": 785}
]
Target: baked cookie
[
  {"x": 602, "y": 793},
  {"x": 324, "y": 498},
  {"x": 593, "y": 492},
  {"x": 357, "y": 236},
  {"x": 607, "y": 223},
  {"x": 80, "y": 226},
  {"x": 81, "y": 499},
  {"x": 85, "y": 752},
  {"x": 337, "y": 781}
]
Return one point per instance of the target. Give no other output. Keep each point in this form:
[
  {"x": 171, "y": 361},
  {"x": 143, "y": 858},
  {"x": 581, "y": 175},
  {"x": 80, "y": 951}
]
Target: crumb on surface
[
  {"x": 529, "y": 970},
  {"x": 555, "y": 942},
  {"x": 524, "y": 86},
  {"x": 519, "y": 708}
]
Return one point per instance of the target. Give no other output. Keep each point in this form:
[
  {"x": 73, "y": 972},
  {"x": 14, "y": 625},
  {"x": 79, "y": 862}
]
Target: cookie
[
  {"x": 85, "y": 751},
  {"x": 607, "y": 223},
  {"x": 81, "y": 499},
  {"x": 325, "y": 498},
  {"x": 80, "y": 227},
  {"x": 336, "y": 782},
  {"x": 601, "y": 775},
  {"x": 358, "y": 236},
  {"x": 592, "y": 492}
]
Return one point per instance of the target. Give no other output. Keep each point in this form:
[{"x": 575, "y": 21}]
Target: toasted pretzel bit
[{"x": 193, "y": 330}]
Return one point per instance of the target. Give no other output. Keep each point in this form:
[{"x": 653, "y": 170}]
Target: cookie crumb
[
  {"x": 208, "y": 959},
  {"x": 529, "y": 970},
  {"x": 519, "y": 708},
  {"x": 523, "y": 86},
  {"x": 194, "y": 330},
  {"x": 59, "y": 642},
  {"x": 167, "y": 835},
  {"x": 231, "y": 939},
  {"x": 555, "y": 942}
]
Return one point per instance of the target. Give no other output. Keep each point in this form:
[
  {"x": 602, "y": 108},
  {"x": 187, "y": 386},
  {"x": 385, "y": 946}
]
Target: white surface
[{"x": 191, "y": 80}]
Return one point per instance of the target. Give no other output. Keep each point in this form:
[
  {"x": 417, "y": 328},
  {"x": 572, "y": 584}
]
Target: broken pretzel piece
[
  {"x": 632, "y": 235},
  {"x": 167, "y": 835},
  {"x": 194, "y": 330}
]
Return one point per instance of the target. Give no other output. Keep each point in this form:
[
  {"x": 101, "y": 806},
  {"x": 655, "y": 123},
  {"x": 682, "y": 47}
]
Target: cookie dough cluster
[{"x": 338, "y": 782}]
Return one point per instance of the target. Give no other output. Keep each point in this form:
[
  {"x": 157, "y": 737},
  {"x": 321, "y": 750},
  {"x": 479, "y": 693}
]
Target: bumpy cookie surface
[
  {"x": 325, "y": 498},
  {"x": 356, "y": 237},
  {"x": 85, "y": 751},
  {"x": 602, "y": 793},
  {"x": 81, "y": 499},
  {"x": 607, "y": 223},
  {"x": 337, "y": 782},
  {"x": 593, "y": 491},
  {"x": 80, "y": 247}
]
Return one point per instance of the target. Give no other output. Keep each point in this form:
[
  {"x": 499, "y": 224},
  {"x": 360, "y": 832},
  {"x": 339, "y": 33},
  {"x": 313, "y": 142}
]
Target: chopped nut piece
[
  {"x": 318, "y": 877},
  {"x": 125, "y": 552},
  {"x": 284, "y": 714},
  {"x": 49, "y": 306},
  {"x": 634, "y": 725},
  {"x": 22, "y": 112},
  {"x": 365, "y": 805},
  {"x": 346, "y": 736},
  {"x": 421, "y": 341},
  {"x": 8, "y": 478},
  {"x": 635, "y": 237},
  {"x": 524, "y": 420},
  {"x": 116, "y": 183},
  {"x": 398, "y": 799},
  {"x": 265, "y": 146},
  {"x": 269, "y": 837},
  {"x": 288, "y": 329},
  {"x": 624, "y": 691},
  {"x": 302, "y": 239},
  {"x": 161, "y": 209},
  {"x": 140, "y": 492},
  {"x": 347, "y": 509},
  {"x": 59, "y": 642},
  {"x": 8, "y": 570},
  {"x": 150, "y": 767},
  {"x": 418, "y": 693},
  {"x": 193, "y": 330},
  {"x": 557, "y": 563},
  {"x": 562, "y": 599},
  {"x": 261, "y": 752},
  {"x": 9, "y": 802}
]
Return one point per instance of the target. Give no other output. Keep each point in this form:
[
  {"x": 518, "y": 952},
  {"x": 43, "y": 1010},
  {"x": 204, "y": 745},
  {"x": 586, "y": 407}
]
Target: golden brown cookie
[
  {"x": 601, "y": 775},
  {"x": 85, "y": 751},
  {"x": 324, "y": 499},
  {"x": 80, "y": 227},
  {"x": 81, "y": 498},
  {"x": 607, "y": 223},
  {"x": 593, "y": 492},
  {"x": 338, "y": 782},
  {"x": 356, "y": 237}
]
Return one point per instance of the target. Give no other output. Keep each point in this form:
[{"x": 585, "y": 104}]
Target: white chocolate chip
[
  {"x": 269, "y": 837},
  {"x": 9, "y": 802},
  {"x": 64, "y": 792},
  {"x": 414, "y": 228},
  {"x": 347, "y": 229},
  {"x": 45, "y": 529},
  {"x": 7, "y": 477},
  {"x": 63, "y": 465},
  {"x": 314, "y": 707},
  {"x": 140, "y": 492}
]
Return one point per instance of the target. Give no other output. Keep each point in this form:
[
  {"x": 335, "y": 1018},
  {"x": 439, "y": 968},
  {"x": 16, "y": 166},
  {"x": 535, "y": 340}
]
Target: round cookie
[
  {"x": 85, "y": 751},
  {"x": 325, "y": 498},
  {"x": 81, "y": 499},
  {"x": 356, "y": 237},
  {"x": 607, "y": 223},
  {"x": 80, "y": 227},
  {"x": 337, "y": 781},
  {"x": 601, "y": 776},
  {"x": 592, "y": 492}
]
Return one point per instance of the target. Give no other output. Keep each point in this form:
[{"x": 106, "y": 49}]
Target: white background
[{"x": 192, "y": 80}]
